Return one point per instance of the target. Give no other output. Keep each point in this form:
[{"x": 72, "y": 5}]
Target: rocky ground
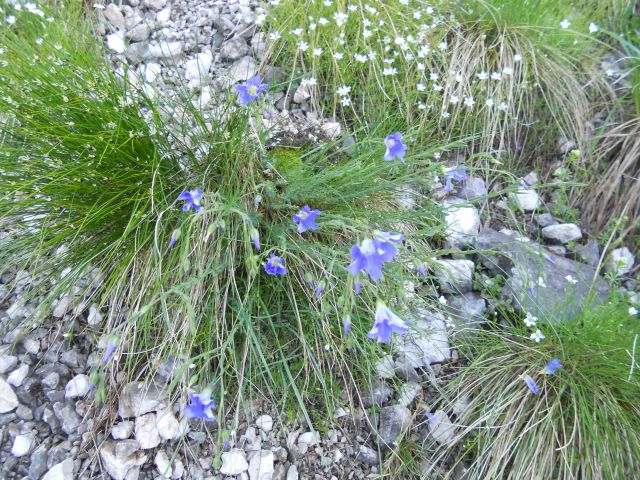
[{"x": 48, "y": 426}]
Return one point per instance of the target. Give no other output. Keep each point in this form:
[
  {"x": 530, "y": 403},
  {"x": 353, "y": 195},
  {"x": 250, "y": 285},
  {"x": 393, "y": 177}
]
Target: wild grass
[
  {"x": 91, "y": 171},
  {"x": 582, "y": 424}
]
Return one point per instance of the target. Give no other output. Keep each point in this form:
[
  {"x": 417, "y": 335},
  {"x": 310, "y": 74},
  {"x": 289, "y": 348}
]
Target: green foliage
[{"x": 584, "y": 420}]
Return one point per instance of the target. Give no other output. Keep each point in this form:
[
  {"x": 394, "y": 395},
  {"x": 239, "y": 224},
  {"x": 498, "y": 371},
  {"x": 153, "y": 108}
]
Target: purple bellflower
[
  {"x": 372, "y": 253},
  {"x": 319, "y": 290},
  {"x": 274, "y": 266},
  {"x": 249, "y": 91},
  {"x": 112, "y": 345},
  {"x": 306, "y": 219},
  {"x": 346, "y": 323},
  {"x": 552, "y": 366},
  {"x": 386, "y": 324},
  {"x": 357, "y": 286},
  {"x": 431, "y": 418},
  {"x": 255, "y": 238},
  {"x": 531, "y": 383},
  {"x": 454, "y": 173},
  {"x": 193, "y": 198},
  {"x": 201, "y": 406},
  {"x": 395, "y": 147}
]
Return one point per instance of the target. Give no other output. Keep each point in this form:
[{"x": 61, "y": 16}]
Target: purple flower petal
[{"x": 395, "y": 147}]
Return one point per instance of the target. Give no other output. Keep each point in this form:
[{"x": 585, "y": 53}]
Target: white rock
[
  {"x": 462, "y": 222},
  {"x": 261, "y": 466},
  {"x": 441, "y": 428},
  {"x": 139, "y": 33},
  {"x": 137, "y": 399},
  {"x": 310, "y": 438},
  {"x": 620, "y": 261},
  {"x": 114, "y": 16},
  {"x": 163, "y": 15},
  {"x": 385, "y": 367},
  {"x": 562, "y": 233},
  {"x": 427, "y": 340},
  {"x": 264, "y": 423},
  {"x": 301, "y": 94},
  {"x": 155, "y": 4},
  {"x": 17, "y": 376},
  {"x": 166, "y": 50},
  {"x": 122, "y": 459},
  {"x": 77, "y": 387},
  {"x": 292, "y": 473},
  {"x": 528, "y": 200},
  {"x": 163, "y": 463},
  {"x": 146, "y": 431},
  {"x": 22, "y": 445},
  {"x": 122, "y": 430},
  {"x": 242, "y": 70},
  {"x": 531, "y": 178},
  {"x": 7, "y": 362},
  {"x": 115, "y": 42},
  {"x": 8, "y": 399},
  {"x": 408, "y": 393},
  {"x": 331, "y": 129},
  {"x": 455, "y": 276},
  {"x": 60, "y": 471},
  {"x": 151, "y": 71},
  {"x": 95, "y": 317},
  {"x": 234, "y": 462},
  {"x": 197, "y": 69},
  {"x": 168, "y": 425}
]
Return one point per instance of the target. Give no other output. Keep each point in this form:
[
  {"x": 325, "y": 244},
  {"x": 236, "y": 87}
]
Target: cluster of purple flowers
[{"x": 550, "y": 368}]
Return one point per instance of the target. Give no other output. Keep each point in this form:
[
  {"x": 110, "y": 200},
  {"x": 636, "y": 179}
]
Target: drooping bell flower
[
  {"x": 201, "y": 406},
  {"x": 193, "y": 198},
  {"x": 274, "y": 266},
  {"x": 386, "y": 324},
  {"x": 395, "y": 147}
]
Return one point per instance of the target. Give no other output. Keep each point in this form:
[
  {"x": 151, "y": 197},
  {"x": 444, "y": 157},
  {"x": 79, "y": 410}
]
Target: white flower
[
  {"x": 445, "y": 115},
  {"x": 317, "y": 52},
  {"x": 593, "y": 28},
  {"x": 537, "y": 336},
  {"x": 371, "y": 55},
  {"x": 437, "y": 88},
  {"x": 571, "y": 280},
  {"x": 496, "y": 76},
  {"x": 424, "y": 51},
  {"x": 366, "y": 33},
  {"x": 610, "y": 73},
  {"x": 351, "y": 8},
  {"x": 429, "y": 10},
  {"x": 421, "y": 66},
  {"x": 417, "y": 15},
  {"x": 633, "y": 311},
  {"x": 503, "y": 106},
  {"x": 338, "y": 55},
  {"x": 400, "y": 41},
  {"x": 469, "y": 102},
  {"x": 11, "y": 19},
  {"x": 323, "y": 21},
  {"x": 442, "y": 300},
  {"x": 340, "y": 18},
  {"x": 517, "y": 57},
  {"x": 345, "y": 101},
  {"x": 309, "y": 82},
  {"x": 275, "y": 36},
  {"x": 389, "y": 71},
  {"x": 297, "y": 32},
  {"x": 507, "y": 71},
  {"x": 541, "y": 283},
  {"x": 344, "y": 90},
  {"x": 433, "y": 76},
  {"x": 275, "y": 3},
  {"x": 530, "y": 320},
  {"x": 437, "y": 155},
  {"x": 360, "y": 58},
  {"x": 421, "y": 87},
  {"x": 458, "y": 77},
  {"x": 303, "y": 46},
  {"x": 442, "y": 46},
  {"x": 489, "y": 102},
  {"x": 328, "y": 3},
  {"x": 312, "y": 26},
  {"x": 565, "y": 23},
  {"x": 482, "y": 75},
  {"x": 404, "y": 2},
  {"x": 454, "y": 99},
  {"x": 422, "y": 106}
]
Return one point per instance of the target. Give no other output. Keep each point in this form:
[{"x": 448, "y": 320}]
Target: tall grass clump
[
  {"x": 506, "y": 74},
  {"x": 92, "y": 170},
  {"x": 582, "y": 421}
]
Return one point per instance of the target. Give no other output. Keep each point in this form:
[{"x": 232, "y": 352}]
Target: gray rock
[
  {"x": 367, "y": 455},
  {"x": 472, "y": 188},
  {"x": 376, "y": 395},
  {"x": 441, "y": 428},
  {"x": 408, "y": 393},
  {"x": 146, "y": 431},
  {"x": 528, "y": 200},
  {"x": 38, "y": 462},
  {"x": 426, "y": 342},
  {"x": 292, "y": 473},
  {"x": 122, "y": 430},
  {"x": 234, "y": 49},
  {"x": 61, "y": 471},
  {"x": 114, "y": 16},
  {"x": 525, "y": 263},
  {"x": 168, "y": 425},
  {"x": 385, "y": 367},
  {"x": 7, "y": 362},
  {"x": 331, "y": 129},
  {"x": 77, "y": 387},
  {"x": 243, "y": 69},
  {"x": 51, "y": 380},
  {"x": 259, "y": 45},
  {"x": 8, "y": 399},
  {"x": 264, "y": 423},
  {"x": 234, "y": 462},
  {"x": 588, "y": 253},
  {"x": 559, "y": 250},
  {"x": 137, "y": 399},
  {"x": 462, "y": 222},
  {"x": 18, "y": 375},
  {"x": 122, "y": 459},
  {"x": 70, "y": 358},
  {"x": 405, "y": 371},
  {"x": 620, "y": 261},
  {"x": 468, "y": 308},
  {"x": 348, "y": 145},
  {"x": 531, "y": 178},
  {"x": 156, "y": 5},
  {"x": 261, "y": 465},
  {"x": 454, "y": 276},
  {"x": 139, "y": 33},
  {"x": 394, "y": 420},
  {"x": 562, "y": 233},
  {"x": 67, "y": 416},
  {"x": 197, "y": 69},
  {"x": 310, "y": 438},
  {"x": 544, "y": 220},
  {"x": 302, "y": 93},
  {"x": 163, "y": 464},
  {"x": 565, "y": 145}
]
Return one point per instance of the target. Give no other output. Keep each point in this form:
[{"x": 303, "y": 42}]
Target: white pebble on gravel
[
  {"x": 265, "y": 423},
  {"x": 261, "y": 465},
  {"x": 17, "y": 376},
  {"x": 146, "y": 431},
  {"x": 60, "y": 471},
  {"x": 77, "y": 387},
  {"x": 310, "y": 438},
  {"x": 22, "y": 445},
  {"x": 115, "y": 42},
  {"x": 234, "y": 462},
  {"x": 528, "y": 200},
  {"x": 168, "y": 425},
  {"x": 8, "y": 399},
  {"x": 122, "y": 430}
]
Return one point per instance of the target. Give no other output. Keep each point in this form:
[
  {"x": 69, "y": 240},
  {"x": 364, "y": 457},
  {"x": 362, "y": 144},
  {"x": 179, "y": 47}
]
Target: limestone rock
[{"x": 8, "y": 399}]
